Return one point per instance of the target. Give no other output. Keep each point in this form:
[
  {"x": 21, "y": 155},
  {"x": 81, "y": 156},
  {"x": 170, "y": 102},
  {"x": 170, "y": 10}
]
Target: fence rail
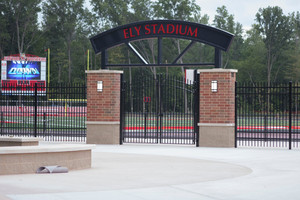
[
  {"x": 268, "y": 116},
  {"x": 159, "y": 109},
  {"x": 58, "y": 114}
]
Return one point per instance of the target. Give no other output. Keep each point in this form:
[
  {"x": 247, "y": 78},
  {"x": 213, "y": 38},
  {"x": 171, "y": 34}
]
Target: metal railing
[
  {"x": 55, "y": 113},
  {"x": 268, "y": 116},
  {"x": 159, "y": 109}
]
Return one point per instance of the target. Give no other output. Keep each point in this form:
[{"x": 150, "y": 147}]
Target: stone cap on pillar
[
  {"x": 217, "y": 70},
  {"x": 103, "y": 71}
]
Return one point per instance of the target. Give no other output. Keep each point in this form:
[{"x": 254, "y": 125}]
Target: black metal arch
[{"x": 217, "y": 38}]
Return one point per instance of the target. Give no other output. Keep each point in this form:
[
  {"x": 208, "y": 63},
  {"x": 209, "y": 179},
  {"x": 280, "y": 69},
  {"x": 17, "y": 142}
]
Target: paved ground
[{"x": 146, "y": 172}]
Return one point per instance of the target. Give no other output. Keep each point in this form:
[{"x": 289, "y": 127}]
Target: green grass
[
  {"x": 62, "y": 122},
  {"x": 50, "y": 122},
  {"x": 153, "y": 120},
  {"x": 270, "y": 121}
]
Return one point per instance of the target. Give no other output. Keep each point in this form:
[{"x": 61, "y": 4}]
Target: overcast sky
[{"x": 244, "y": 11}]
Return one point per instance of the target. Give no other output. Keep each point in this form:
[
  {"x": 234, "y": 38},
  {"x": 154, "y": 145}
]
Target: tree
[
  {"x": 176, "y": 9},
  {"x": 252, "y": 59},
  {"x": 111, "y": 13},
  {"x": 294, "y": 73},
  {"x": 225, "y": 21},
  {"x": 4, "y": 31},
  {"x": 25, "y": 18},
  {"x": 64, "y": 21},
  {"x": 276, "y": 31},
  {"x": 19, "y": 26},
  {"x": 142, "y": 10}
]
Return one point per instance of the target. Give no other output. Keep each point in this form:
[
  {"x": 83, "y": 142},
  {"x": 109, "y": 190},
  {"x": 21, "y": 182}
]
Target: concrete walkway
[{"x": 146, "y": 172}]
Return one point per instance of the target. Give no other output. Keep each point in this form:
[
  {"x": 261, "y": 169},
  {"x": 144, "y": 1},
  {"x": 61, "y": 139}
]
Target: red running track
[{"x": 191, "y": 127}]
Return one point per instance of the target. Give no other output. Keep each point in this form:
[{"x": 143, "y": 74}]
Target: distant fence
[
  {"x": 268, "y": 116},
  {"x": 58, "y": 114}
]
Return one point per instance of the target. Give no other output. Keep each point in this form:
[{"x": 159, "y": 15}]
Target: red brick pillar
[
  {"x": 216, "y": 120},
  {"x": 103, "y": 107}
]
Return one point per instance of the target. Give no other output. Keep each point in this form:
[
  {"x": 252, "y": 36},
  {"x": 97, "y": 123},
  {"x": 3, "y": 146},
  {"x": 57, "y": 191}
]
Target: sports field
[
  {"x": 55, "y": 123},
  {"x": 151, "y": 121},
  {"x": 69, "y": 122}
]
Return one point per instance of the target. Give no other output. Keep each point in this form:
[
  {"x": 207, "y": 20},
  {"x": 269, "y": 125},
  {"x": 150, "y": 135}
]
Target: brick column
[
  {"x": 216, "y": 120},
  {"x": 103, "y": 107}
]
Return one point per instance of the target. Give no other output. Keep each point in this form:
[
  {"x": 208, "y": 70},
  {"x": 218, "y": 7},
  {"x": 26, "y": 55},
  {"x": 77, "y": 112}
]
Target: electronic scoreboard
[{"x": 21, "y": 72}]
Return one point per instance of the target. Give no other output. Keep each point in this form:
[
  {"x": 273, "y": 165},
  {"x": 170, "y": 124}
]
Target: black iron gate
[
  {"x": 160, "y": 109},
  {"x": 268, "y": 115}
]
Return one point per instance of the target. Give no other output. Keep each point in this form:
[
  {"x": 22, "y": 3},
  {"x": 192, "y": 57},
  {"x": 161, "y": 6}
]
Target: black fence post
[
  {"x": 146, "y": 117},
  {"x": 2, "y": 122},
  {"x": 266, "y": 126},
  {"x": 104, "y": 59},
  {"x": 290, "y": 115},
  {"x": 157, "y": 82},
  {"x": 122, "y": 101},
  {"x": 218, "y": 58},
  {"x": 235, "y": 115},
  {"x": 35, "y": 110},
  {"x": 159, "y": 50},
  {"x": 44, "y": 123},
  {"x": 196, "y": 106}
]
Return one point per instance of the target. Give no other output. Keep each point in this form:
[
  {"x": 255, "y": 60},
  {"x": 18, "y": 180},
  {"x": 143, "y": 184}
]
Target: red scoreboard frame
[{"x": 21, "y": 72}]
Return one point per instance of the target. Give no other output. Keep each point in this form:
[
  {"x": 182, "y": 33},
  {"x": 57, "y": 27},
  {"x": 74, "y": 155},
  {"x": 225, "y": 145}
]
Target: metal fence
[
  {"x": 55, "y": 113},
  {"x": 159, "y": 109},
  {"x": 268, "y": 116}
]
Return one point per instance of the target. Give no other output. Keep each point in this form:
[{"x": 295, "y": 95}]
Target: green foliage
[
  {"x": 4, "y": 31},
  {"x": 142, "y": 10},
  {"x": 225, "y": 21},
  {"x": 252, "y": 61},
  {"x": 176, "y": 9},
  {"x": 19, "y": 26},
  {"x": 269, "y": 51},
  {"x": 276, "y": 31},
  {"x": 67, "y": 29},
  {"x": 111, "y": 13},
  {"x": 294, "y": 52}
]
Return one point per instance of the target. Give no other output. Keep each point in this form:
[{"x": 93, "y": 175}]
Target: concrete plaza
[{"x": 146, "y": 172}]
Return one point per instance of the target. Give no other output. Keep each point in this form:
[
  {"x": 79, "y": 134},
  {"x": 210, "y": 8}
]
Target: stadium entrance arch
[
  {"x": 160, "y": 108},
  {"x": 160, "y": 29}
]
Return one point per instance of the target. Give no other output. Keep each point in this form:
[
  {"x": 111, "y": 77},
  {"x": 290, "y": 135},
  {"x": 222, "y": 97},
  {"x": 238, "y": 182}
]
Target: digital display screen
[{"x": 23, "y": 70}]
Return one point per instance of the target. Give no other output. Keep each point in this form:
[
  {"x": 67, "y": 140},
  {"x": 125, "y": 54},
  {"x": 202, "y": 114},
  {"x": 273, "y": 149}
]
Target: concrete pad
[
  {"x": 139, "y": 172},
  {"x": 113, "y": 171},
  {"x": 27, "y": 159},
  {"x": 19, "y": 141}
]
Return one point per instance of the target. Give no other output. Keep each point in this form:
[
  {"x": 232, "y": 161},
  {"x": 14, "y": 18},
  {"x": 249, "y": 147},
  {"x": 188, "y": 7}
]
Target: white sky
[{"x": 244, "y": 11}]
